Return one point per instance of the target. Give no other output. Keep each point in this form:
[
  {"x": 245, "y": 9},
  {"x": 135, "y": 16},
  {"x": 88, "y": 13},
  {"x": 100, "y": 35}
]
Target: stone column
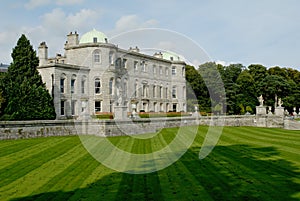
[
  {"x": 120, "y": 113},
  {"x": 261, "y": 110},
  {"x": 279, "y": 111}
]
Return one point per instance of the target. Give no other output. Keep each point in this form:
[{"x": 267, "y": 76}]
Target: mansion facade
[{"x": 95, "y": 76}]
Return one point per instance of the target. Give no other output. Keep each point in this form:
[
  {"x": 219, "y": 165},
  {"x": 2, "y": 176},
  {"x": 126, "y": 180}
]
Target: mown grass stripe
[
  {"x": 28, "y": 151},
  {"x": 32, "y": 181},
  {"x": 172, "y": 177},
  {"x": 24, "y": 166},
  {"x": 69, "y": 179},
  {"x": 254, "y": 139},
  {"x": 244, "y": 165},
  {"x": 246, "y": 168},
  {"x": 16, "y": 146}
]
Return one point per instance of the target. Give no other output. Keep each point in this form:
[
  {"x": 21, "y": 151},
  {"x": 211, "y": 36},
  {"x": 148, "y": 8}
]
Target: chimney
[
  {"x": 43, "y": 54},
  {"x": 72, "y": 39}
]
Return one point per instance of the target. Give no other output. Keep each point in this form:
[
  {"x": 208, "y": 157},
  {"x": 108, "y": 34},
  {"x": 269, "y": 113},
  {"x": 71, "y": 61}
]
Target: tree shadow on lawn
[{"x": 236, "y": 172}]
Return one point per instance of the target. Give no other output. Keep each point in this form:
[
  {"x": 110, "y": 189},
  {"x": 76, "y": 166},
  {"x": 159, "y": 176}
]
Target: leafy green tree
[
  {"x": 258, "y": 72},
  {"x": 274, "y": 86},
  {"x": 246, "y": 90},
  {"x": 229, "y": 76},
  {"x": 26, "y": 95},
  {"x": 213, "y": 81},
  {"x": 278, "y": 71},
  {"x": 196, "y": 88}
]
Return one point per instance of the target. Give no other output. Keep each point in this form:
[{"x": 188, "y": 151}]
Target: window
[
  {"x": 161, "y": 109},
  {"x": 110, "y": 106},
  {"x": 97, "y": 86},
  {"x": 167, "y": 71},
  {"x": 154, "y": 91},
  {"x": 62, "y": 108},
  {"x": 62, "y": 85},
  {"x": 124, "y": 63},
  {"x": 161, "y": 92},
  {"x": 111, "y": 58},
  {"x": 166, "y": 92},
  {"x": 97, "y": 56},
  {"x": 97, "y": 106},
  {"x": 174, "y": 92},
  {"x": 83, "y": 86},
  {"x": 160, "y": 70},
  {"x": 144, "y": 65},
  {"x": 73, "y": 104},
  {"x": 183, "y": 71},
  {"x": 135, "y": 65},
  {"x": 154, "y": 69},
  {"x": 174, "y": 107},
  {"x": 72, "y": 85},
  {"x": 145, "y": 91},
  {"x": 111, "y": 81},
  {"x": 173, "y": 70},
  {"x": 118, "y": 62},
  {"x": 136, "y": 89},
  {"x": 95, "y": 39}
]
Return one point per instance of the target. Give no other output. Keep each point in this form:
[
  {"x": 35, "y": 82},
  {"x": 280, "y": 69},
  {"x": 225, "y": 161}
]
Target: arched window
[
  {"x": 62, "y": 83},
  {"x": 97, "y": 86},
  {"x": 97, "y": 56},
  {"x": 83, "y": 81},
  {"x": 73, "y": 79},
  {"x": 111, "y": 86},
  {"x": 174, "y": 92},
  {"x": 136, "y": 88},
  {"x": 111, "y": 58}
]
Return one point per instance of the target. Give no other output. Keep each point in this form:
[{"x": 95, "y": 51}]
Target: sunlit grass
[{"x": 247, "y": 164}]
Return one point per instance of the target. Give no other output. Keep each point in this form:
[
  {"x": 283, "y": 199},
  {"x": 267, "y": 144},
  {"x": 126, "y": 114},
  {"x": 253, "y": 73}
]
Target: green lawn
[{"x": 247, "y": 164}]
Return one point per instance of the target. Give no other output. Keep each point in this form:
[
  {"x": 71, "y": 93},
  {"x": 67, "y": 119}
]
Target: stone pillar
[
  {"x": 120, "y": 113},
  {"x": 261, "y": 110},
  {"x": 279, "y": 111}
]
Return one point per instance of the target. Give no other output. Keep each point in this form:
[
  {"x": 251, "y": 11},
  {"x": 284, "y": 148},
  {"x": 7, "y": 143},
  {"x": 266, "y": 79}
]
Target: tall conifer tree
[{"x": 25, "y": 93}]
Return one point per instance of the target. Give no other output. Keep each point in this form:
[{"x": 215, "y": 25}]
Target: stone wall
[
  {"x": 291, "y": 124},
  {"x": 31, "y": 129}
]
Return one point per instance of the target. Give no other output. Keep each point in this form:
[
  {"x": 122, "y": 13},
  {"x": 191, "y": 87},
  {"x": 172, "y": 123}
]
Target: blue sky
[{"x": 232, "y": 31}]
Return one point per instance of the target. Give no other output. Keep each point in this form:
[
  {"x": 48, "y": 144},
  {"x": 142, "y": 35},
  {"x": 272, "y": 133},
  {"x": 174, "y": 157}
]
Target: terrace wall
[{"x": 31, "y": 129}]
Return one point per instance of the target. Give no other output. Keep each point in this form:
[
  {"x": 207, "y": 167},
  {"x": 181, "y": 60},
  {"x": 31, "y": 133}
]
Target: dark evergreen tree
[{"x": 26, "y": 95}]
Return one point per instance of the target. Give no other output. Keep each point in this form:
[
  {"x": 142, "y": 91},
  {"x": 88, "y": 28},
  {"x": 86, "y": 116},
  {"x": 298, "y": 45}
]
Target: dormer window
[{"x": 95, "y": 39}]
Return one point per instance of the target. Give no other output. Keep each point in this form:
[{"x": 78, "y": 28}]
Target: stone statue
[
  {"x": 119, "y": 92},
  {"x": 261, "y": 100},
  {"x": 280, "y": 102}
]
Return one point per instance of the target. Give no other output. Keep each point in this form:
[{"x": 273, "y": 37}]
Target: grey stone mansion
[{"x": 95, "y": 76}]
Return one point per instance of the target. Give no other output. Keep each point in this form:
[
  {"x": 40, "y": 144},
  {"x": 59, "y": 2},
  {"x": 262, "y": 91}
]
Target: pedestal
[
  {"x": 261, "y": 110},
  {"x": 279, "y": 111},
  {"x": 120, "y": 113}
]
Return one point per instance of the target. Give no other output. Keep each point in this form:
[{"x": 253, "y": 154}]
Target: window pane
[
  {"x": 97, "y": 86},
  {"x": 62, "y": 85},
  {"x": 82, "y": 86},
  {"x": 62, "y": 108},
  {"x": 72, "y": 86},
  {"x": 97, "y": 106}
]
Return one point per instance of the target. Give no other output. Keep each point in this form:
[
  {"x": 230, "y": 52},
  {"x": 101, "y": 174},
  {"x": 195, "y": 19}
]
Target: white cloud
[
  {"x": 62, "y": 22},
  {"x": 68, "y": 2},
  {"x": 31, "y": 4},
  {"x": 36, "y": 3},
  {"x": 130, "y": 22}
]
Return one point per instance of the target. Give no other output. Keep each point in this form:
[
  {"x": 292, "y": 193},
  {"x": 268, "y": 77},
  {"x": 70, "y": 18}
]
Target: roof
[
  {"x": 89, "y": 37},
  {"x": 171, "y": 56}
]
